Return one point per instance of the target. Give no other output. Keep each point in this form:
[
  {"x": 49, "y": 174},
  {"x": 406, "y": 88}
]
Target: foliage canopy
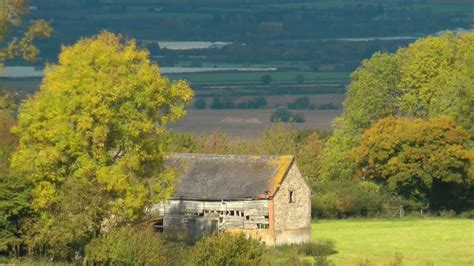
[
  {"x": 423, "y": 160},
  {"x": 11, "y": 12},
  {"x": 432, "y": 77},
  {"x": 94, "y": 130}
]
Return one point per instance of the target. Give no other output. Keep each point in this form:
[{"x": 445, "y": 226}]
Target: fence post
[{"x": 402, "y": 211}]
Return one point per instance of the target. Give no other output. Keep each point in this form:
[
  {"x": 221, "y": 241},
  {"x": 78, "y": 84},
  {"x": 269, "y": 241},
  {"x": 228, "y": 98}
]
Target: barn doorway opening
[{"x": 158, "y": 227}]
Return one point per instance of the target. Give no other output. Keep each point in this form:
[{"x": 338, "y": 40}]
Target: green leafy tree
[
  {"x": 432, "y": 77},
  {"x": 96, "y": 125},
  {"x": 423, "y": 160},
  {"x": 308, "y": 157}
]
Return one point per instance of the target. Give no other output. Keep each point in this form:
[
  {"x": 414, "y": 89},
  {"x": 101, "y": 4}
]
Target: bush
[
  {"x": 341, "y": 199},
  {"x": 200, "y": 103},
  {"x": 224, "y": 103},
  {"x": 297, "y": 118},
  {"x": 447, "y": 214},
  {"x": 322, "y": 248},
  {"x": 282, "y": 114},
  {"x": 256, "y": 103},
  {"x": 266, "y": 79},
  {"x": 329, "y": 106},
  {"x": 300, "y": 103},
  {"x": 132, "y": 246},
  {"x": 227, "y": 249},
  {"x": 467, "y": 214},
  {"x": 295, "y": 254}
]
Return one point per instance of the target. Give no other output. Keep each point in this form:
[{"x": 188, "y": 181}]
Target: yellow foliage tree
[{"x": 90, "y": 140}]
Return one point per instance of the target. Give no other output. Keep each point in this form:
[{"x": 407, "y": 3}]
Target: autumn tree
[
  {"x": 14, "y": 191},
  {"x": 308, "y": 157},
  {"x": 11, "y": 12},
  {"x": 432, "y": 77},
  {"x": 90, "y": 141},
  {"x": 427, "y": 161}
]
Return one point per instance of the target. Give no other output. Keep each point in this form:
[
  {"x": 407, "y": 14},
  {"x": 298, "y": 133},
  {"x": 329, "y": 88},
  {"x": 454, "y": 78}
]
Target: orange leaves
[{"x": 410, "y": 155}]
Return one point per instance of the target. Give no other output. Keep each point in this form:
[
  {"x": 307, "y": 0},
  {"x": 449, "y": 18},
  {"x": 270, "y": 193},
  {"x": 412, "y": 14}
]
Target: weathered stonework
[{"x": 292, "y": 216}]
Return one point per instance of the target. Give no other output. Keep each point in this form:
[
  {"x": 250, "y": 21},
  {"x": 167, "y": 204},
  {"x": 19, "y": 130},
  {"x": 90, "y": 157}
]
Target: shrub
[
  {"x": 224, "y": 103},
  {"x": 266, "y": 79},
  {"x": 322, "y": 248},
  {"x": 200, "y": 103},
  {"x": 340, "y": 199},
  {"x": 227, "y": 249},
  {"x": 467, "y": 214},
  {"x": 282, "y": 114},
  {"x": 297, "y": 118},
  {"x": 216, "y": 103},
  {"x": 447, "y": 214},
  {"x": 256, "y": 103},
  {"x": 300, "y": 103},
  {"x": 132, "y": 246},
  {"x": 294, "y": 254},
  {"x": 328, "y": 106}
]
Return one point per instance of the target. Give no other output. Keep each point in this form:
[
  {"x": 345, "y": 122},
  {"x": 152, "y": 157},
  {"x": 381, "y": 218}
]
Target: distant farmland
[
  {"x": 247, "y": 123},
  {"x": 279, "y": 77}
]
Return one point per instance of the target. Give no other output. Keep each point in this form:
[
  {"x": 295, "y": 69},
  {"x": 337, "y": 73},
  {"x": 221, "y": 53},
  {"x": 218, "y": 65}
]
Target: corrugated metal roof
[{"x": 227, "y": 177}]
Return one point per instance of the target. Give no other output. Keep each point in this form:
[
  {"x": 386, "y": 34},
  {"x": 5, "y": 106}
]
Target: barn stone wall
[{"x": 292, "y": 217}]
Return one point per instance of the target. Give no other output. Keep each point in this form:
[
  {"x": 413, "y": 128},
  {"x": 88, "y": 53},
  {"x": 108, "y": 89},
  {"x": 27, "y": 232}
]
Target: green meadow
[{"x": 419, "y": 241}]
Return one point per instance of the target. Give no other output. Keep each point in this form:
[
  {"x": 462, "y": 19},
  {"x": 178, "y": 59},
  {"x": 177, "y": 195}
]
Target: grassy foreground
[{"x": 420, "y": 241}]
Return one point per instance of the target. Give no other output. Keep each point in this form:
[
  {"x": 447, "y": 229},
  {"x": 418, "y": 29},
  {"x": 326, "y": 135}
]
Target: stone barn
[{"x": 262, "y": 196}]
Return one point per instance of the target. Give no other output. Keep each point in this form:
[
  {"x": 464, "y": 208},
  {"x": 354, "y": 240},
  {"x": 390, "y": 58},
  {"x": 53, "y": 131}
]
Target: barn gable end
[{"x": 292, "y": 209}]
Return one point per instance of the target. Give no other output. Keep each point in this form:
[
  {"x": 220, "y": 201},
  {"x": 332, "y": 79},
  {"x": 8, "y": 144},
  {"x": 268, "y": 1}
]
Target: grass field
[
  {"x": 241, "y": 78},
  {"x": 220, "y": 78},
  {"x": 420, "y": 241},
  {"x": 435, "y": 6}
]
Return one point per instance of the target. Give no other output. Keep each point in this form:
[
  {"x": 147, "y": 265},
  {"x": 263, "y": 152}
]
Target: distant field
[
  {"x": 420, "y": 241},
  {"x": 247, "y": 123},
  {"x": 29, "y": 84},
  {"x": 279, "y": 100},
  {"x": 240, "y": 78},
  {"x": 435, "y": 6},
  {"x": 218, "y": 78}
]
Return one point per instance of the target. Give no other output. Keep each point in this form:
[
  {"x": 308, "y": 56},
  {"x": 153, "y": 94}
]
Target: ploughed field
[
  {"x": 247, "y": 123},
  {"x": 419, "y": 241}
]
